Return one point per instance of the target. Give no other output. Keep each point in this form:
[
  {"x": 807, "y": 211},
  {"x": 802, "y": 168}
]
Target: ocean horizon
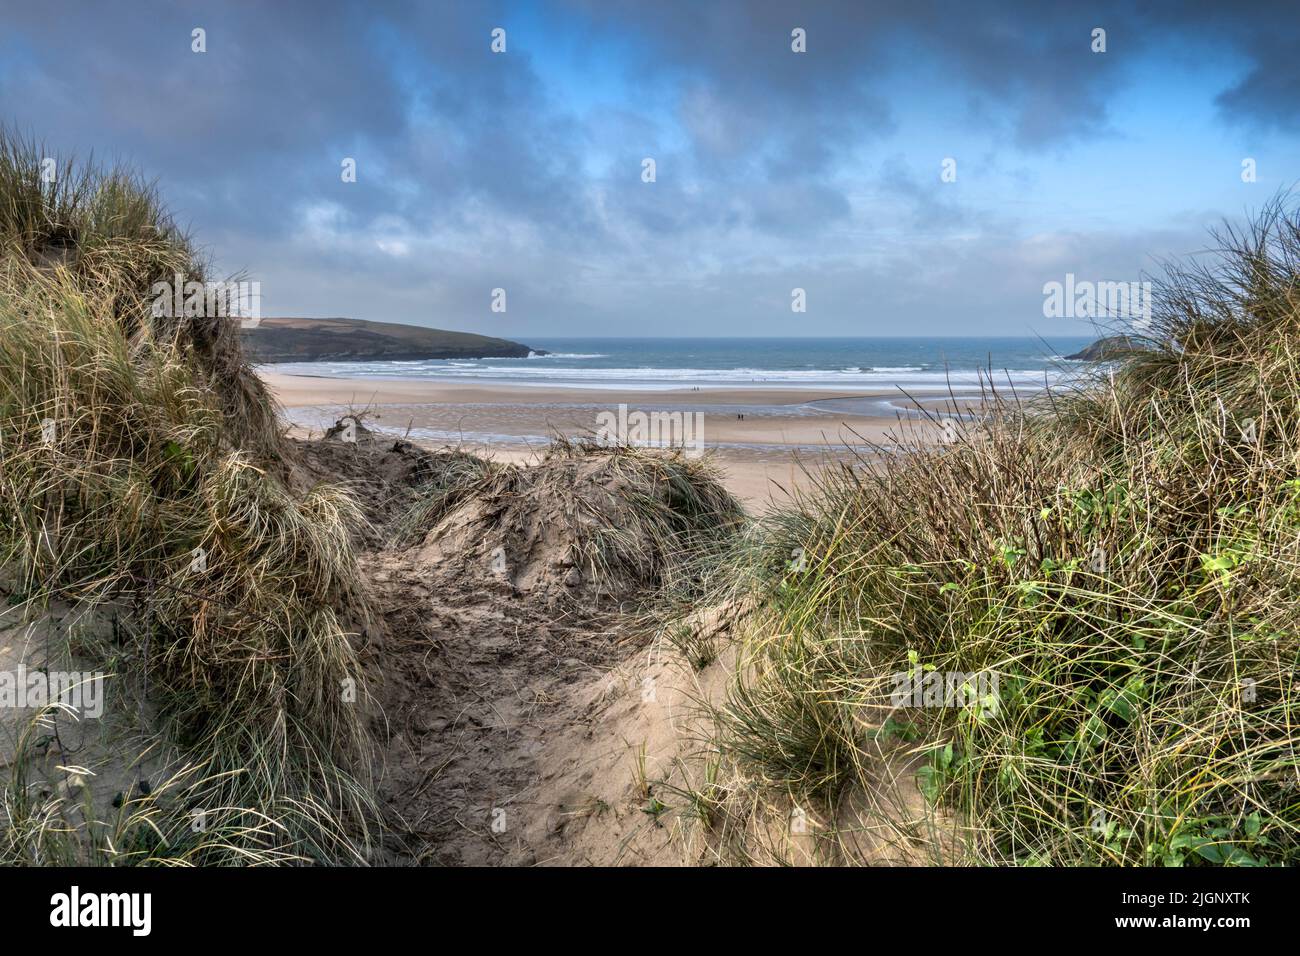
[
  {"x": 925, "y": 364},
  {"x": 894, "y": 465}
]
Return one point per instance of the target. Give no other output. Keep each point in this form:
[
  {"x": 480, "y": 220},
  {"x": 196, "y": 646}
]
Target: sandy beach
[
  {"x": 769, "y": 441},
  {"x": 572, "y": 435}
]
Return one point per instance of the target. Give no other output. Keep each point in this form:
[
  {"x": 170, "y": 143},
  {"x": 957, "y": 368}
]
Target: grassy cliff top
[{"x": 306, "y": 340}]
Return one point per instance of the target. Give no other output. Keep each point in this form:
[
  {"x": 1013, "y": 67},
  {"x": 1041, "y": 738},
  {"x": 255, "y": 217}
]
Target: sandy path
[
  {"x": 510, "y": 718},
  {"x": 515, "y": 727}
]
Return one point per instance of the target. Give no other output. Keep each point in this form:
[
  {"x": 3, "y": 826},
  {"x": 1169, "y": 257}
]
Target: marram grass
[
  {"x": 130, "y": 445},
  {"x": 1121, "y": 556}
]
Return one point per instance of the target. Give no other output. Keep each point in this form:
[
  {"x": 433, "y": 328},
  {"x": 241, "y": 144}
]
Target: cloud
[{"x": 523, "y": 170}]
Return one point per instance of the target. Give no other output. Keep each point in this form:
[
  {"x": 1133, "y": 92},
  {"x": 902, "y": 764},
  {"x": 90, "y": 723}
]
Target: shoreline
[
  {"x": 769, "y": 441},
  {"x": 303, "y": 388}
]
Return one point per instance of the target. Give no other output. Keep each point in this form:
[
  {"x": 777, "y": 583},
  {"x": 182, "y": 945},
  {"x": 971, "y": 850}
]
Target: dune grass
[
  {"x": 139, "y": 465},
  {"x": 1117, "y": 565},
  {"x": 633, "y": 519},
  {"x": 1108, "y": 571},
  {"x": 663, "y": 512}
]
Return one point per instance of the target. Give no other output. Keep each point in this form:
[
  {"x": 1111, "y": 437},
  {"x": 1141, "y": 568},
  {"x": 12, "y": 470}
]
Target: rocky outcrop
[{"x": 1106, "y": 349}]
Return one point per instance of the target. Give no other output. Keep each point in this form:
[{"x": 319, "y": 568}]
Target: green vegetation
[
  {"x": 628, "y": 520},
  {"x": 1121, "y": 557},
  {"x": 130, "y": 445},
  {"x": 338, "y": 340},
  {"x": 1099, "y": 584}
]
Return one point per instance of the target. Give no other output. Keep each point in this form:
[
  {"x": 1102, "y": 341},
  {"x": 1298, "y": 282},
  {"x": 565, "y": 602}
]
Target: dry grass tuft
[{"x": 130, "y": 445}]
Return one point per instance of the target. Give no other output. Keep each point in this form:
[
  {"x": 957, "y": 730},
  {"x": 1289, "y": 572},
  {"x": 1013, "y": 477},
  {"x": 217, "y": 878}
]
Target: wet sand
[{"x": 768, "y": 440}]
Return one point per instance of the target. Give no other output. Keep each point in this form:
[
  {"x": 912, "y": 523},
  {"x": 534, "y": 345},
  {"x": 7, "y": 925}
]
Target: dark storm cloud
[
  {"x": 1269, "y": 94},
  {"x": 277, "y": 88},
  {"x": 287, "y": 89},
  {"x": 1031, "y": 59},
  {"x": 1262, "y": 35},
  {"x": 475, "y": 169}
]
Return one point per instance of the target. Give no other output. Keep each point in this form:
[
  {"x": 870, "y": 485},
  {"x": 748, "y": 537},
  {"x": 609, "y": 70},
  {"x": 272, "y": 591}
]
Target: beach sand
[{"x": 769, "y": 441}]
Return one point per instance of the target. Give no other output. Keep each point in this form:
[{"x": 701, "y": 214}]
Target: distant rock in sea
[
  {"x": 1108, "y": 348},
  {"x": 356, "y": 340}
]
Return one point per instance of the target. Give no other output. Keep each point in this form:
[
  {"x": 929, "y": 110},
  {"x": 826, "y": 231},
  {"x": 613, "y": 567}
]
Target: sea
[{"x": 920, "y": 365}]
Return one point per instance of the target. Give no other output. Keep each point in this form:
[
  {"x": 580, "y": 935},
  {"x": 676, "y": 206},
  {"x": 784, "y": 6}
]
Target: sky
[{"x": 775, "y": 170}]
